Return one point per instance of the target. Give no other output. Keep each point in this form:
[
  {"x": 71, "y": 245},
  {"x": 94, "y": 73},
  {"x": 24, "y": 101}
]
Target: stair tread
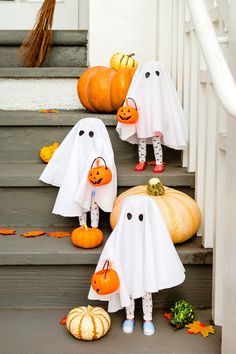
[
  {"x": 17, "y": 250},
  {"x": 42, "y": 72},
  {"x": 59, "y": 37},
  {"x": 61, "y": 118},
  {"x": 26, "y": 174},
  {"x": 42, "y": 333}
]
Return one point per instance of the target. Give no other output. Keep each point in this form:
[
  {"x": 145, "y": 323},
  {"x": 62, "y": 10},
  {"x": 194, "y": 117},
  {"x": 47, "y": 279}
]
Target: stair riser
[
  {"x": 62, "y": 286},
  {"x": 34, "y": 93},
  {"x": 33, "y": 206},
  {"x": 60, "y": 56},
  {"x": 24, "y": 143}
]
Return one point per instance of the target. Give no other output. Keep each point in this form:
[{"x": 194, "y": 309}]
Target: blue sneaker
[
  {"x": 128, "y": 326},
  {"x": 148, "y": 328}
]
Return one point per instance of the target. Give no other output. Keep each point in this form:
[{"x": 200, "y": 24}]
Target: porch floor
[{"x": 37, "y": 331}]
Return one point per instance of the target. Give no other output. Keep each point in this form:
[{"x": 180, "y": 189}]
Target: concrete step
[
  {"x": 69, "y": 49},
  {"x": 24, "y": 200},
  {"x": 41, "y": 73},
  {"x": 49, "y": 272},
  {"x": 37, "y": 331},
  {"x": 23, "y": 133},
  {"x": 24, "y": 174}
]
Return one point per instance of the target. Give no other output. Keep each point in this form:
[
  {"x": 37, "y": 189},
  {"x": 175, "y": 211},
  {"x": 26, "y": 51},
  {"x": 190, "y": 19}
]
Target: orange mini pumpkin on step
[
  {"x": 127, "y": 114},
  {"x": 87, "y": 237},
  {"x": 100, "y": 175},
  {"x": 106, "y": 281}
]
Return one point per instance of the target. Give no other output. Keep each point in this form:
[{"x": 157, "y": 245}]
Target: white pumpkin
[{"x": 88, "y": 323}]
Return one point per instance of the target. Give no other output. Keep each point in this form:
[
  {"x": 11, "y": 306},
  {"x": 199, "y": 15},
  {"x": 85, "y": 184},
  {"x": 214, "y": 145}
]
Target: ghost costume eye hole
[
  {"x": 91, "y": 134},
  {"x": 81, "y": 132},
  {"x": 129, "y": 216},
  {"x": 140, "y": 217},
  {"x": 147, "y": 74},
  {"x": 157, "y": 72}
]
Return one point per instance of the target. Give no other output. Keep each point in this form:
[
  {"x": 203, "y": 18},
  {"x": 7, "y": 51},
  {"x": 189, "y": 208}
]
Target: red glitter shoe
[
  {"x": 140, "y": 167},
  {"x": 159, "y": 168}
]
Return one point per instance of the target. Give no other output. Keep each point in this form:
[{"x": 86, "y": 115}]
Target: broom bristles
[{"x": 36, "y": 45}]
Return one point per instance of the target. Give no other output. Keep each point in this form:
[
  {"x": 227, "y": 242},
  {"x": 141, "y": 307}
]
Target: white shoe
[
  {"x": 148, "y": 328},
  {"x": 128, "y": 326}
]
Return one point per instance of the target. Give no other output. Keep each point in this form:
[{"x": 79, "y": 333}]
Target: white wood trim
[
  {"x": 193, "y": 104},
  {"x": 210, "y": 170},
  {"x": 214, "y": 16},
  {"x": 201, "y": 154},
  {"x": 221, "y": 76}
]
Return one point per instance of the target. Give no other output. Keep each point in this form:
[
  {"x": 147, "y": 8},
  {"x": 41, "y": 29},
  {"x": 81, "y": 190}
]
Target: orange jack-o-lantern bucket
[
  {"x": 127, "y": 114},
  {"x": 100, "y": 175},
  {"x": 106, "y": 281}
]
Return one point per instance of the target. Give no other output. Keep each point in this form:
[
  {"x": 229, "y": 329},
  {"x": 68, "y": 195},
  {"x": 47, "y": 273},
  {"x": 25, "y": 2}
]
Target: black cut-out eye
[
  {"x": 98, "y": 173},
  {"x": 157, "y": 72},
  {"x": 140, "y": 217},
  {"x": 129, "y": 216},
  {"x": 128, "y": 111},
  {"x": 91, "y": 134},
  {"x": 147, "y": 74},
  {"x": 81, "y": 132}
]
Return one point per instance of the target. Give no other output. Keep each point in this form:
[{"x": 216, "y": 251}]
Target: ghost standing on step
[
  {"x": 160, "y": 115},
  {"x": 68, "y": 169},
  {"x": 142, "y": 253}
]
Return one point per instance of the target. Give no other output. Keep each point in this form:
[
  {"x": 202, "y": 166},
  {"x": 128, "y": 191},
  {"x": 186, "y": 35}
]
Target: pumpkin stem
[
  {"x": 155, "y": 187},
  {"x": 130, "y": 55},
  {"x": 85, "y": 226}
]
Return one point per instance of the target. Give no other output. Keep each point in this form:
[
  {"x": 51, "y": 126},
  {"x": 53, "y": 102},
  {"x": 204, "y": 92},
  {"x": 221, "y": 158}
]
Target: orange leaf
[
  {"x": 7, "y": 232},
  {"x": 198, "y": 327},
  {"x": 59, "y": 234},
  {"x": 48, "y": 110},
  {"x": 33, "y": 233},
  {"x": 63, "y": 320},
  {"x": 151, "y": 163},
  {"x": 167, "y": 316}
]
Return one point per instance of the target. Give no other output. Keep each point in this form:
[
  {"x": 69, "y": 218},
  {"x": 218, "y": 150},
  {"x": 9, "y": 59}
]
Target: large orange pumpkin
[
  {"x": 102, "y": 89},
  {"x": 180, "y": 212},
  {"x": 87, "y": 237},
  {"x": 105, "y": 281}
]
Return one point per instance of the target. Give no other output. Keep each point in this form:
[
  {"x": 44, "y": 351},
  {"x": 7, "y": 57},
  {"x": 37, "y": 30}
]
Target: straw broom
[{"x": 36, "y": 45}]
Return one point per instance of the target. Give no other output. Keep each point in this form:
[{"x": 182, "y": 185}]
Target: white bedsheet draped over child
[
  {"x": 159, "y": 108},
  {"x": 142, "y": 253},
  {"x": 69, "y": 166}
]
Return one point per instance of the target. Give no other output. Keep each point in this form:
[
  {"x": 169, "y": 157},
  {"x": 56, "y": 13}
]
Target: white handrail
[{"x": 220, "y": 73}]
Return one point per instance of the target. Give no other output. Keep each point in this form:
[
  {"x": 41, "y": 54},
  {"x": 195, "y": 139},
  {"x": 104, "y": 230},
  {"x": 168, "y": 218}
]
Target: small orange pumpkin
[
  {"x": 102, "y": 89},
  {"x": 100, "y": 175},
  {"x": 87, "y": 237},
  {"x": 106, "y": 281},
  {"x": 127, "y": 114}
]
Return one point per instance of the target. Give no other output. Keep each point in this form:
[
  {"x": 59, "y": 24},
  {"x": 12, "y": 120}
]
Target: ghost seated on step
[
  {"x": 161, "y": 118},
  {"x": 68, "y": 169},
  {"x": 142, "y": 253}
]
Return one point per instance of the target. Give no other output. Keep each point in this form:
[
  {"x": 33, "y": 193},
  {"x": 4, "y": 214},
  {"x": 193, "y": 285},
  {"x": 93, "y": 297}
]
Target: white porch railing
[{"x": 205, "y": 84}]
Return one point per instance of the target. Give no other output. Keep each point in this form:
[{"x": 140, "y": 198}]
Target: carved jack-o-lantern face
[
  {"x": 106, "y": 281},
  {"x": 127, "y": 114},
  {"x": 98, "y": 176}
]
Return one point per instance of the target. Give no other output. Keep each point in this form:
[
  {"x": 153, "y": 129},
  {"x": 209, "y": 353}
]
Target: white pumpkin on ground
[{"x": 88, "y": 323}]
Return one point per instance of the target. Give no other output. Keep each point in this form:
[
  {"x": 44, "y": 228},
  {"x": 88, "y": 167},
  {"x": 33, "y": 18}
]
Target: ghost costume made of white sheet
[
  {"x": 142, "y": 253},
  {"x": 159, "y": 108},
  {"x": 69, "y": 166}
]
